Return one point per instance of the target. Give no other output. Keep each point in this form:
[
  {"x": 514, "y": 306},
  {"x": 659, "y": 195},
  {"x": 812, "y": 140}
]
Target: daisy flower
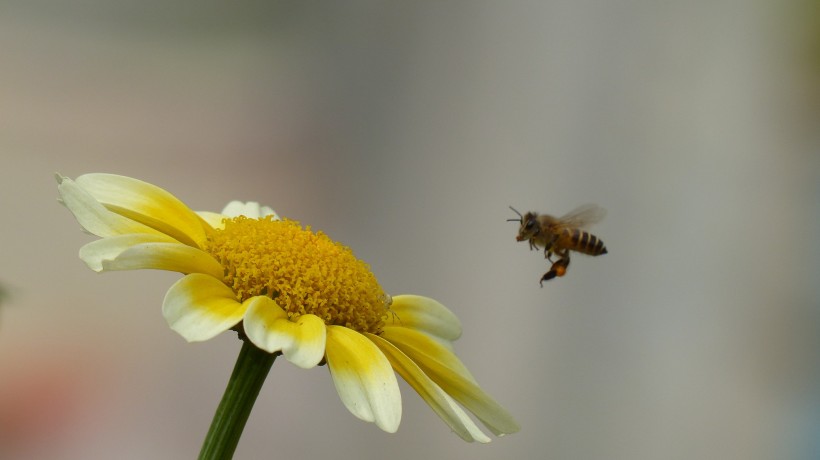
[{"x": 288, "y": 291}]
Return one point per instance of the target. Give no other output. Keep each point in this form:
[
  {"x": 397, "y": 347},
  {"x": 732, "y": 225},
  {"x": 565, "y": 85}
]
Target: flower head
[{"x": 289, "y": 290}]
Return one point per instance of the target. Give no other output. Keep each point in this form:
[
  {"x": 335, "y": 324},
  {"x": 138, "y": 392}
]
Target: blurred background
[{"x": 404, "y": 131}]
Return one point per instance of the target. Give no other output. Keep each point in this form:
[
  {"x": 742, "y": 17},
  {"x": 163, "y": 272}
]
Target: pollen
[{"x": 302, "y": 271}]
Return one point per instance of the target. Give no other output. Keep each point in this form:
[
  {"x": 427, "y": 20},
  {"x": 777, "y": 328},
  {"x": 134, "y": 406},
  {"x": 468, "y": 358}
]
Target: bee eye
[{"x": 529, "y": 224}]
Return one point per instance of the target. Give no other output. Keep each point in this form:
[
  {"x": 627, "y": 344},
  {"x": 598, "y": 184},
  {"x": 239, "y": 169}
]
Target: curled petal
[
  {"x": 442, "y": 404},
  {"x": 93, "y": 216},
  {"x": 301, "y": 342},
  {"x": 364, "y": 378},
  {"x": 425, "y": 314},
  {"x": 200, "y": 307},
  {"x": 449, "y": 373},
  {"x": 135, "y": 252},
  {"x": 145, "y": 203},
  {"x": 250, "y": 209}
]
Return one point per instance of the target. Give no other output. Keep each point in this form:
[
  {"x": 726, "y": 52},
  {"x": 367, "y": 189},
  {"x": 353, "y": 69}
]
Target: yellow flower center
[{"x": 304, "y": 272}]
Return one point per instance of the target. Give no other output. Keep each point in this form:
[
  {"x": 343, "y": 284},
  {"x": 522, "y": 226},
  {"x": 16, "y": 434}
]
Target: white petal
[
  {"x": 200, "y": 307},
  {"x": 107, "y": 249},
  {"x": 364, "y": 378},
  {"x": 135, "y": 252},
  {"x": 250, "y": 209},
  {"x": 265, "y": 211},
  {"x": 473, "y": 430},
  {"x": 442, "y": 404},
  {"x": 301, "y": 342}
]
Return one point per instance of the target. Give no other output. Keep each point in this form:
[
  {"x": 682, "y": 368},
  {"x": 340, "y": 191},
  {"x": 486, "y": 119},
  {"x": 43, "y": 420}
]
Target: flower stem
[{"x": 249, "y": 372}]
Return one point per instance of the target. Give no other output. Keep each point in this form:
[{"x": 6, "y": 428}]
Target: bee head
[{"x": 529, "y": 225}]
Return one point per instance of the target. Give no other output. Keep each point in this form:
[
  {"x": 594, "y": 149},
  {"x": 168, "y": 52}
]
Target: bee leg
[
  {"x": 547, "y": 276},
  {"x": 395, "y": 317},
  {"x": 548, "y": 251},
  {"x": 559, "y": 268}
]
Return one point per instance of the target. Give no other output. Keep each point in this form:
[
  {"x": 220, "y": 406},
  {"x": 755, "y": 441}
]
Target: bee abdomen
[{"x": 586, "y": 243}]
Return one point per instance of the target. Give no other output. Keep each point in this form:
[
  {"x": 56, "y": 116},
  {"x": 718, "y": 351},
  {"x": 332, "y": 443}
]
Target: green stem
[{"x": 252, "y": 366}]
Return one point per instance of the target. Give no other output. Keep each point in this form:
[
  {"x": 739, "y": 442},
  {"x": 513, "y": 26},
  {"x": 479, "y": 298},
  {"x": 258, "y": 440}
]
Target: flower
[{"x": 289, "y": 290}]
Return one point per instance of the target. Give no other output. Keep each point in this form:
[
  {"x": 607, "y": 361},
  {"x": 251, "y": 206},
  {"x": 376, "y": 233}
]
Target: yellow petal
[
  {"x": 364, "y": 378},
  {"x": 215, "y": 220},
  {"x": 200, "y": 307},
  {"x": 452, "y": 376},
  {"x": 301, "y": 342},
  {"x": 141, "y": 251},
  {"x": 145, "y": 203},
  {"x": 425, "y": 314},
  {"x": 421, "y": 344},
  {"x": 436, "y": 398},
  {"x": 93, "y": 216}
]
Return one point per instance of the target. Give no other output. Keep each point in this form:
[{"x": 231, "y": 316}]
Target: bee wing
[{"x": 583, "y": 216}]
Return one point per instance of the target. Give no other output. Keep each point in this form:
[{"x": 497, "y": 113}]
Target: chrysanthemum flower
[{"x": 289, "y": 291}]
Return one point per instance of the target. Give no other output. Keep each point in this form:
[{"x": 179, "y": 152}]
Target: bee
[{"x": 560, "y": 235}]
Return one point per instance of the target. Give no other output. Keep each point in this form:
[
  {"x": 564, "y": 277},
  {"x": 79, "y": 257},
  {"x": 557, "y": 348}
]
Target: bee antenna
[{"x": 519, "y": 215}]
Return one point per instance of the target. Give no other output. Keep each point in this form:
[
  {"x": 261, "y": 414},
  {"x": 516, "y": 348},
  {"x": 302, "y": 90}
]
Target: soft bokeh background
[{"x": 405, "y": 130}]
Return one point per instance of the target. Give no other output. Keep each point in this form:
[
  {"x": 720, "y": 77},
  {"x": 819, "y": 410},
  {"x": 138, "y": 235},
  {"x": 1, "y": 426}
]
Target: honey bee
[{"x": 559, "y": 235}]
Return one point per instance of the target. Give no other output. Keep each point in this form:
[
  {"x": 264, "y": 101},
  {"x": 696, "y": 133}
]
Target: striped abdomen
[{"x": 581, "y": 241}]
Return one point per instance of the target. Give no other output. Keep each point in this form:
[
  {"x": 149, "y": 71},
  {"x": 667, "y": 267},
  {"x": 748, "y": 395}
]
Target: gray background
[{"x": 405, "y": 131}]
